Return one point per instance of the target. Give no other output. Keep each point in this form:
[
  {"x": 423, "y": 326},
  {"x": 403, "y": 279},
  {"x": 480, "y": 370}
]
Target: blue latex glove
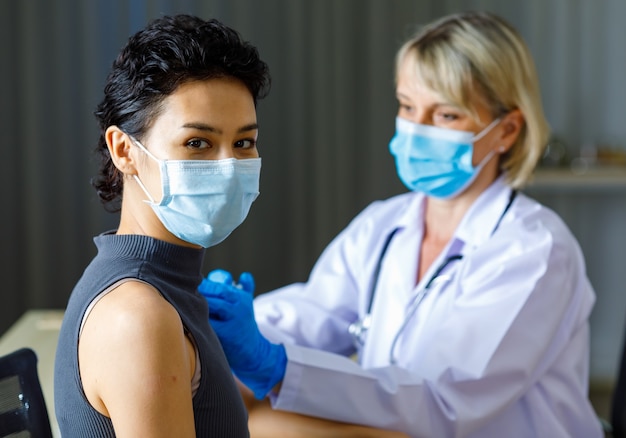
[{"x": 258, "y": 363}]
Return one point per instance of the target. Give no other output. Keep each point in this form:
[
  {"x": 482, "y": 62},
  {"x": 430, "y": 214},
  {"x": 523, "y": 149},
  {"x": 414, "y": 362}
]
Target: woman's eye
[
  {"x": 245, "y": 144},
  {"x": 197, "y": 143}
]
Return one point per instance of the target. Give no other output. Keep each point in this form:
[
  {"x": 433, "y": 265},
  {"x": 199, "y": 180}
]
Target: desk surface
[{"x": 39, "y": 330}]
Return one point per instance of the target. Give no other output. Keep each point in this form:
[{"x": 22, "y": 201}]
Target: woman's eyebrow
[{"x": 206, "y": 127}]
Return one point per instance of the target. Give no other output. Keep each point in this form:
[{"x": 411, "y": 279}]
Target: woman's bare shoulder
[
  {"x": 134, "y": 312},
  {"x": 133, "y": 349}
]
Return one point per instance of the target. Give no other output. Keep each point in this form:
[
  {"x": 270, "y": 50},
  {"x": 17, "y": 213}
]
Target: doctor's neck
[{"x": 443, "y": 216}]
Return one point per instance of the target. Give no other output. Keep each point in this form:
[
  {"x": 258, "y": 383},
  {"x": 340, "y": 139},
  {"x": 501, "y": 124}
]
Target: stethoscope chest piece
[{"x": 358, "y": 329}]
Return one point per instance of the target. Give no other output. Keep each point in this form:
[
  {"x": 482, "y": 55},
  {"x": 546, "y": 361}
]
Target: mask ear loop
[
  {"x": 485, "y": 160},
  {"x": 143, "y": 148},
  {"x": 150, "y": 199},
  {"x": 479, "y": 167},
  {"x": 480, "y": 135},
  {"x": 485, "y": 131}
]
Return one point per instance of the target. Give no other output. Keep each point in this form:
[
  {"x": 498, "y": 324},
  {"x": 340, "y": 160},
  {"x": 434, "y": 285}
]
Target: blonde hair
[{"x": 473, "y": 54}]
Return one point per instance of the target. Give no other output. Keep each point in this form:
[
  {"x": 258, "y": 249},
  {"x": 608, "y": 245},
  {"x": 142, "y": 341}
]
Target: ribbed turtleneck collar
[{"x": 182, "y": 259}]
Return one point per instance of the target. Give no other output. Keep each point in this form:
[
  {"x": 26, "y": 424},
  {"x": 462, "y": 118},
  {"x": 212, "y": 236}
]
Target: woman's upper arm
[{"x": 135, "y": 363}]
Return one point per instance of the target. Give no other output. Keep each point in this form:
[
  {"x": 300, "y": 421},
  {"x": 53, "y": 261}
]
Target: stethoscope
[{"x": 358, "y": 329}]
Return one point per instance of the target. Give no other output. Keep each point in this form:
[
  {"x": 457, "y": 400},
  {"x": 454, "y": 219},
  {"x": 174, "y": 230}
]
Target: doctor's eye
[
  {"x": 404, "y": 109},
  {"x": 447, "y": 116},
  {"x": 198, "y": 143}
]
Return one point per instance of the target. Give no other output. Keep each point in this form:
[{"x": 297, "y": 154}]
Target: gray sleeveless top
[{"x": 175, "y": 271}]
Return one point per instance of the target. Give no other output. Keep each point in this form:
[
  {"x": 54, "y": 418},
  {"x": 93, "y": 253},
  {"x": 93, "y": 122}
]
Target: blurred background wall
[{"x": 323, "y": 138}]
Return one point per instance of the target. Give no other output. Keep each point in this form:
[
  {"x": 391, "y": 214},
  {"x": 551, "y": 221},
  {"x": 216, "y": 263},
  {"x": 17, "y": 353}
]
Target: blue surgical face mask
[
  {"x": 436, "y": 161},
  {"x": 204, "y": 200}
]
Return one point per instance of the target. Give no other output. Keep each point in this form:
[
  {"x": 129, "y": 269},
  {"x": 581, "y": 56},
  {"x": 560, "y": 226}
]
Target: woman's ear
[
  {"x": 512, "y": 124},
  {"x": 119, "y": 144}
]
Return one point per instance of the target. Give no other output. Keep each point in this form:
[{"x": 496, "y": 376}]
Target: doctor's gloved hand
[{"x": 258, "y": 363}]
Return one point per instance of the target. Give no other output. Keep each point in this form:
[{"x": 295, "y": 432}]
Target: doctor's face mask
[
  {"x": 204, "y": 200},
  {"x": 436, "y": 161}
]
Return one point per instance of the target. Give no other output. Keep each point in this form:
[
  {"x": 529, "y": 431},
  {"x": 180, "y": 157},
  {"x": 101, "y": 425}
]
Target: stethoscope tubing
[
  {"x": 418, "y": 299},
  {"x": 358, "y": 328}
]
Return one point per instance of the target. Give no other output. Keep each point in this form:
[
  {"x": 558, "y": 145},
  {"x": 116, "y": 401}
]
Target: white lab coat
[{"x": 499, "y": 346}]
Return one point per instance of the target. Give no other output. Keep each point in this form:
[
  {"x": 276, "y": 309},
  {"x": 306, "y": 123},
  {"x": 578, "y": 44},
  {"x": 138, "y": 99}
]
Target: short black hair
[{"x": 167, "y": 53}]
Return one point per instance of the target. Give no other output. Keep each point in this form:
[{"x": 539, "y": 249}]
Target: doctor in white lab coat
[{"x": 458, "y": 309}]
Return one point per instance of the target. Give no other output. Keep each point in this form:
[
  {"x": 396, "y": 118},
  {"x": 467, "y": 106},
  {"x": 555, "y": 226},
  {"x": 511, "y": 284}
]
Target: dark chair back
[
  {"x": 23, "y": 410},
  {"x": 618, "y": 406}
]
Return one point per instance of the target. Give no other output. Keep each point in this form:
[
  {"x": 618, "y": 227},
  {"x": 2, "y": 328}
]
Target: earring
[{"x": 502, "y": 149}]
